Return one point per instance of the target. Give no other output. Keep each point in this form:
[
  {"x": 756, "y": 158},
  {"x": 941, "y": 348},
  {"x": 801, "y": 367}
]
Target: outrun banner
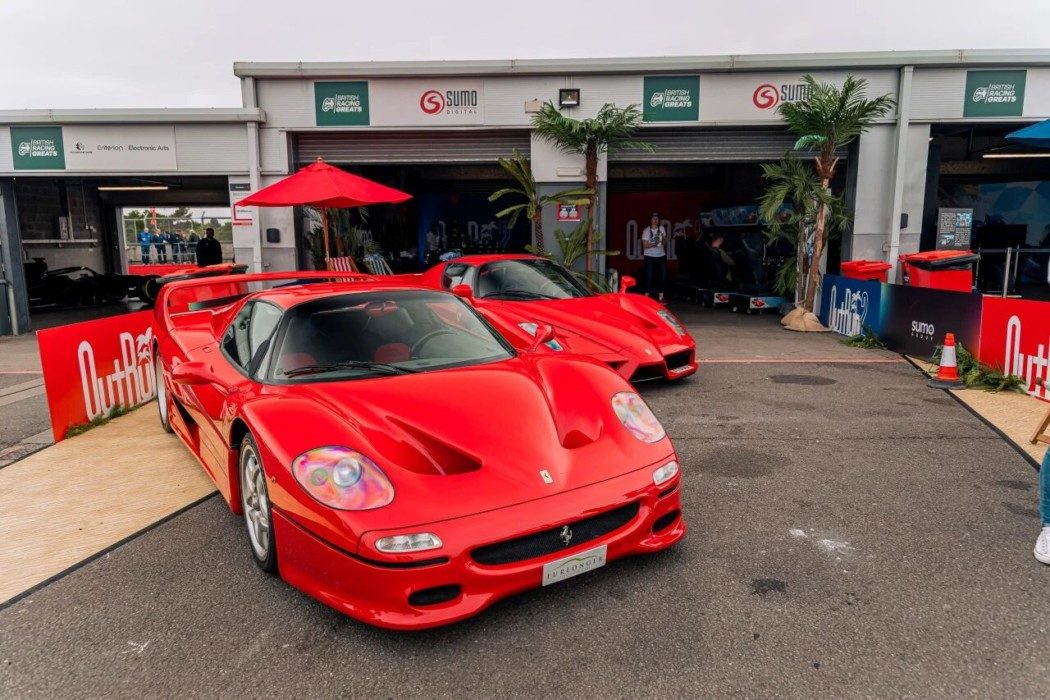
[
  {"x": 94, "y": 366},
  {"x": 1015, "y": 337}
]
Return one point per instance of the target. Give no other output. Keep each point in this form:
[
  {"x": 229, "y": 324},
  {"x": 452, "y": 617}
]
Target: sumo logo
[
  {"x": 921, "y": 329},
  {"x": 24, "y": 148},
  {"x": 766, "y": 96},
  {"x": 1034, "y": 369},
  {"x": 432, "y": 102},
  {"x": 848, "y": 317},
  {"x": 129, "y": 384},
  {"x": 328, "y": 104}
]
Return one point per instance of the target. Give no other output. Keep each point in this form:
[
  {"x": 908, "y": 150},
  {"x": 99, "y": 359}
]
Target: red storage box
[
  {"x": 940, "y": 269},
  {"x": 865, "y": 270}
]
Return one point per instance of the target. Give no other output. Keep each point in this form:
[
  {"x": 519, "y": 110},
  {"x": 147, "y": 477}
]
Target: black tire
[
  {"x": 163, "y": 400},
  {"x": 258, "y": 515}
]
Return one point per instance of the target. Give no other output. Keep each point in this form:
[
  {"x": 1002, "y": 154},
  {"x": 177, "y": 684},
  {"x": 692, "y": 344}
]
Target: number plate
[{"x": 575, "y": 565}]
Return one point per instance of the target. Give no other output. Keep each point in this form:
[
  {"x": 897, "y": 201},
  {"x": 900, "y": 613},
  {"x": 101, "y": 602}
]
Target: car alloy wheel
[
  {"x": 163, "y": 404},
  {"x": 255, "y": 500}
]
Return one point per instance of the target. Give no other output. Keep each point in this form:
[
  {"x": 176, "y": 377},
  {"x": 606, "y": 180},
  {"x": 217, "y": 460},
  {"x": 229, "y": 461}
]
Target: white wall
[{"x": 871, "y": 213}]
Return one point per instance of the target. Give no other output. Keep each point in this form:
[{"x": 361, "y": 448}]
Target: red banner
[
  {"x": 93, "y": 366},
  {"x": 629, "y": 213},
  {"x": 1015, "y": 337}
]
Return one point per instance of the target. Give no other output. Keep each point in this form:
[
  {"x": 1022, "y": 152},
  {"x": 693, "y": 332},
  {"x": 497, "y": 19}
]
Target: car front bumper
[{"x": 376, "y": 588}]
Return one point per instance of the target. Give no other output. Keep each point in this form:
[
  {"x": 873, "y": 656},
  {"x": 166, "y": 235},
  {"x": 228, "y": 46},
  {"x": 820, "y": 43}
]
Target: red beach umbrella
[{"x": 322, "y": 185}]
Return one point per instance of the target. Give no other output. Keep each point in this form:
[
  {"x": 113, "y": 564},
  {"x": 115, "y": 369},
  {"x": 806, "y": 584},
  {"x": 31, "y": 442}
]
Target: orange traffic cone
[{"x": 948, "y": 373}]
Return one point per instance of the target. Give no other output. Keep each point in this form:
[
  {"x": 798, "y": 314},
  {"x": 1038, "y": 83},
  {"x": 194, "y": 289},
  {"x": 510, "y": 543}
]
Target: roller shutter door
[
  {"x": 709, "y": 145},
  {"x": 410, "y": 147}
]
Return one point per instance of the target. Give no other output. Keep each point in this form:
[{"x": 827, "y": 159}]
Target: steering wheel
[{"x": 427, "y": 337}]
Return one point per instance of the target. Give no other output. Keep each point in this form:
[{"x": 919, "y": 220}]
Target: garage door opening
[
  {"x": 77, "y": 249},
  {"x": 450, "y": 176},
  {"x": 1003, "y": 190}
]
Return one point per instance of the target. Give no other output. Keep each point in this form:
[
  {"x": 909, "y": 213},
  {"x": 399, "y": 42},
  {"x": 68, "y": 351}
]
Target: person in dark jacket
[
  {"x": 209, "y": 250},
  {"x": 160, "y": 243}
]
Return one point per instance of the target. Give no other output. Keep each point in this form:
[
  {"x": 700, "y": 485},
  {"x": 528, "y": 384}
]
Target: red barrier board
[
  {"x": 1015, "y": 337},
  {"x": 91, "y": 367}
]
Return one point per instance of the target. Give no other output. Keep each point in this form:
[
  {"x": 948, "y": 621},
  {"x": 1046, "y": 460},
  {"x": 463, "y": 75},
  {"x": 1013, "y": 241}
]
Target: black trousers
[{"x": 655, "y": 274}]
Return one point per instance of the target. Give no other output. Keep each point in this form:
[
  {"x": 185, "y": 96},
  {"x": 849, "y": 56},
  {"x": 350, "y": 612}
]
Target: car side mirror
[
  {"x": 463, "y": 291},
  {"x": 194, "y": 374},
  {"x": 626, "y": 282},
  {"x": 544, "y": 334}
]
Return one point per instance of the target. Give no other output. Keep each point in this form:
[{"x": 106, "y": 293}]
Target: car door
[{"x": 243, "y": 349}]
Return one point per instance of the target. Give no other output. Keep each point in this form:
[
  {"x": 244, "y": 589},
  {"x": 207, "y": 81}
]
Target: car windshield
[
  {"x": 527, "y": 280},
  {"x": 372, "y": 334}
]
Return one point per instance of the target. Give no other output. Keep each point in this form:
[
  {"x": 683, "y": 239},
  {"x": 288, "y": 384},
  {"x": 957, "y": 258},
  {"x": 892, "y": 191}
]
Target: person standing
[
  {"x": 160, "y": 242},
  {"x": 1042, "y": 543},
  {"x": 209, "y": 250},
  {"x": 175, "y": 241},
  {"x": 654, "y": 251},
  {"x": 144, "y": 241}
]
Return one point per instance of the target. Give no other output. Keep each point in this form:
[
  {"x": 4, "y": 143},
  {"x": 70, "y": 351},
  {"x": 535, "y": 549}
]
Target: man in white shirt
[{"x": 654, "y": 252}]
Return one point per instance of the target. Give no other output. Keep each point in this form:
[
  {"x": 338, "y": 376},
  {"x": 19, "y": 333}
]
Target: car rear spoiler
[{"x": 198, "y": 293}]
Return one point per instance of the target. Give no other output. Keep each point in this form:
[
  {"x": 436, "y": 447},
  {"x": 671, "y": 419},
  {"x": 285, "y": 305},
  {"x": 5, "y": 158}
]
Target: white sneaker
[{"x": 1042, "y": 546}]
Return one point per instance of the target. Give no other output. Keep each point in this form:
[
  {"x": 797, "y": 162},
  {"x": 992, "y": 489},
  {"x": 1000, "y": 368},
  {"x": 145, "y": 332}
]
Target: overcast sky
[{"x": 179, "y": 53}]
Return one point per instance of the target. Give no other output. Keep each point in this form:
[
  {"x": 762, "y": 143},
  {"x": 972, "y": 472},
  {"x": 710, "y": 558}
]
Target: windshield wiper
[
  {"x": 350, "y": 364},
  {"x": 524, "y": 293}
]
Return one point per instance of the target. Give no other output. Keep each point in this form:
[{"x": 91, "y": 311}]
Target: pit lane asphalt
[{"x": 853, "y": 533}]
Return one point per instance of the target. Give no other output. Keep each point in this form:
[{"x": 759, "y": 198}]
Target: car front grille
[
  {"x": 549, "y": 541},
  {"x": 677, "y": 359},
  {"x": 647, "y": 373}
]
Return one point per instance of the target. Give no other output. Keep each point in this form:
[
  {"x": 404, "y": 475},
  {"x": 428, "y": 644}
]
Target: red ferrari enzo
[
  {"x": 635, "y": 335},
  {"x": 396, "y": 458}
]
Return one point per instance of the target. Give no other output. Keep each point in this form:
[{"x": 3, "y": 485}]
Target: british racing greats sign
[
  {"x": 94, "y": 148},
  {"x": 994, "y": 93},
  {"x": 341, "y": 103}
]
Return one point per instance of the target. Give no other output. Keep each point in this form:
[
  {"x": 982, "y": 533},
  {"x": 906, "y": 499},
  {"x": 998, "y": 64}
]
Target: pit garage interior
[
  {"x": 1007, "y": 186},
  {"x": 702, "y": 181},
  {"x": 450, "y": 176},
  {"x": 75, "y": 222}
]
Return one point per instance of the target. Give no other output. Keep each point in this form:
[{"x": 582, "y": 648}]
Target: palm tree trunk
[
  {"x": 801, "y": 265},
  {"x": 591, "y": 164},
  {"x": 818, "y": 249},
  {"x": 537, "y": 230}
]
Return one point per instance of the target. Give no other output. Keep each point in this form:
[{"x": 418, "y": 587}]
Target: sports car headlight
[
  {"x": 665, "y": 473},
  {"x": 636, "y": 417},
  {"x": 342, "y": 478},
  {"x": 670, "y": 320},
  {"x": 419, "y": 542},
  {"x": 530, "y": 328}
]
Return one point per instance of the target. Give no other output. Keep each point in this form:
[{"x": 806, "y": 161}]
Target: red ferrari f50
[{"x": 397, "y": 459}]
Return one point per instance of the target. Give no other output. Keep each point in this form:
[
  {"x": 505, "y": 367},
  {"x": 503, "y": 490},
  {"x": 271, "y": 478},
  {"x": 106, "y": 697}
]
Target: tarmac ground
[{"x": 852, "y": 533}]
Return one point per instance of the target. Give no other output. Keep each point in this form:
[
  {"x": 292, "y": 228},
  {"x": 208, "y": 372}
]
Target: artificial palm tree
[
  {"x": 790, "y": 206},
  {"x": 827, "y": 119},
  {"x": 613, "y": 127},
  {"x": 517, "y": 166}
]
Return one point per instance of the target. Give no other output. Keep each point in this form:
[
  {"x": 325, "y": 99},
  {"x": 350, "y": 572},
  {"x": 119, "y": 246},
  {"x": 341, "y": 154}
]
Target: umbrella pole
[{"x": 324, "y": 229}]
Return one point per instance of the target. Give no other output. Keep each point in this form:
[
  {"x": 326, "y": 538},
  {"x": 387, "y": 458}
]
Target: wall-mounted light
[
  {"x": 1006, "y": 154},
  {"x": 569, "y": 97}
]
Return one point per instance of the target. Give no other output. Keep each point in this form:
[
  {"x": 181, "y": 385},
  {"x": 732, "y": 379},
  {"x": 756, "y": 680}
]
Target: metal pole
[
  {"x": 324, "y": 229},
  {"x": 1006, "y": 271},
  {"x": 900, "y": 153}
]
